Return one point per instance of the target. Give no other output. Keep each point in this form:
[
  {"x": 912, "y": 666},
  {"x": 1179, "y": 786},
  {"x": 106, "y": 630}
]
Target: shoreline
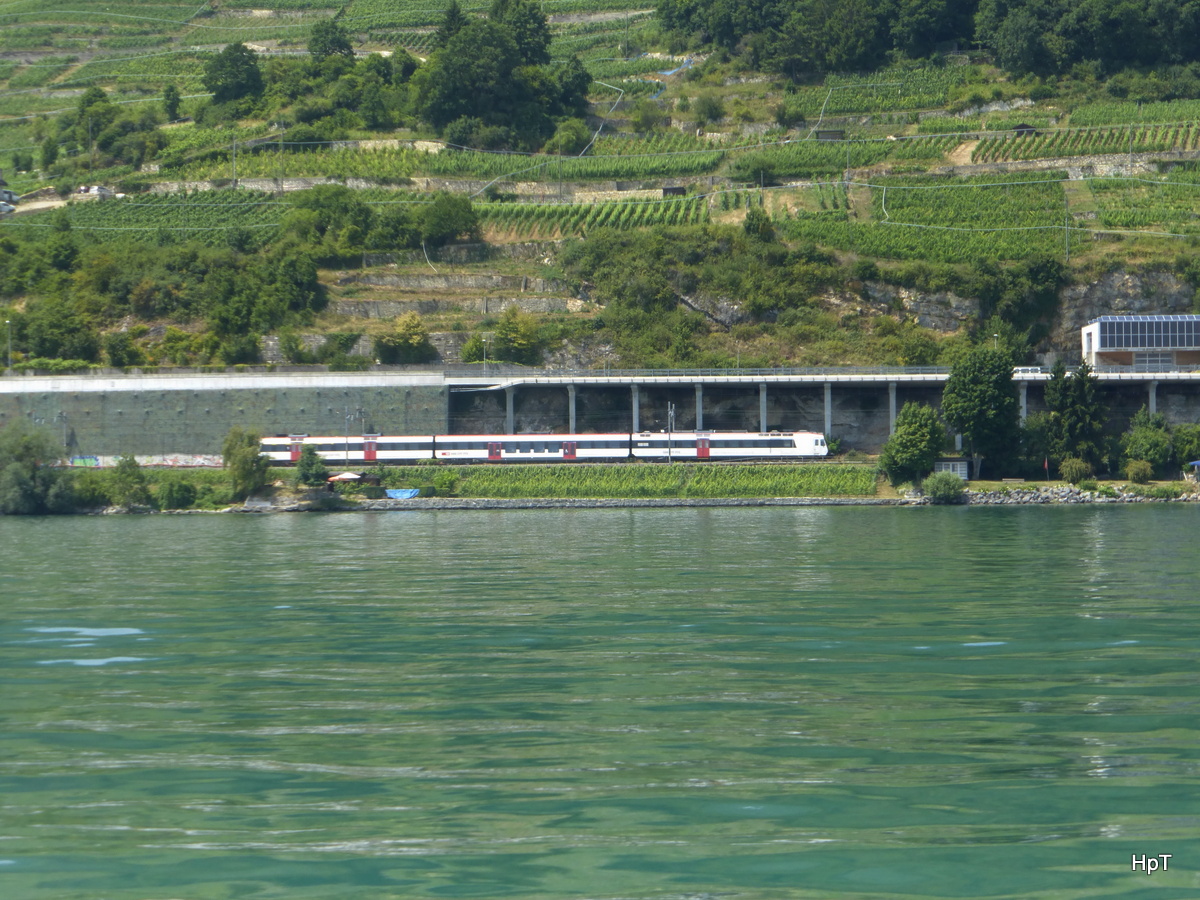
[
  {"x": 1049, "y": 495},
  {"x": 1056, "y": 495}
]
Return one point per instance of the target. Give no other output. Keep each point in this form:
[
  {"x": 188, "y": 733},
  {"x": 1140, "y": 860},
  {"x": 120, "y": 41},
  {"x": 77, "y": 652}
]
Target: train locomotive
[{"x": 683, "y": 446}]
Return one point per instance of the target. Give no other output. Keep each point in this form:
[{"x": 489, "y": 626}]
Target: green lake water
[{"x": 556, "y": 705}]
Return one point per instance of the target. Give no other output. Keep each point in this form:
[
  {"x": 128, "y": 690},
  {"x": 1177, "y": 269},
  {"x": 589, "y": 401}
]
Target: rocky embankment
[{"x": 1026, "y": 496}]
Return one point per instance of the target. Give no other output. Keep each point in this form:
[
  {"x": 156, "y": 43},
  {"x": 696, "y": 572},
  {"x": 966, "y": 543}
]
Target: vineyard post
[
  {"x": 1066, "y": 232},
  {"x": 235, "y": 162}
]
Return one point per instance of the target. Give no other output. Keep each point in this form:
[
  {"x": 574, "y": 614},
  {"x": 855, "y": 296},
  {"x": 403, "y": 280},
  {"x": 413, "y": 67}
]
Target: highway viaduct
[{"x": 180, "y": 413}]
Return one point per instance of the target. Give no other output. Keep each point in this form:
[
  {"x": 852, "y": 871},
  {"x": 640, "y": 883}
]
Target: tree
[
  {"x": 517, "y": 337},
  {"x": 1148, "y": 439},
  {"x": 452, "y": 23},
  {"x": 448, "y": 217},
  {"x": 246, "y": 466},
  {"x": 310, "y": 468},
  {"x": 570, "y": 138},
  {"x": 408, "y": 342},
  {"x": 914, "y": 446},
  {"x": 529, "y": 29},
  {"x": 127, "y": 483},
  {"x": 1083, "y": 415},
  {"x": 30, "y": 484},
  {"x": 328, "y": 38},
  {"x": 472, "y": 76},
  {"x": 170, "y": 100},
  {"x": 1073, "y": 427},
  {"x": 233, "y": 73},
  {"x": 980, "y": 402},
  {"x": 757, "y": 224},
  {"x": 49, "y": 152}
]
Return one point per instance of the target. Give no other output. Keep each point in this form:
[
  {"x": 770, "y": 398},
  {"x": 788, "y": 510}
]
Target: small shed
[{"x": 960, "y": 466}]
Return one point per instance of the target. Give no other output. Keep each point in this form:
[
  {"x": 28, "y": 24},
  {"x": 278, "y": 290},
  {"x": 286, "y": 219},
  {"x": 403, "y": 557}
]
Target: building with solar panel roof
[{"x": 1142, "y": 343}]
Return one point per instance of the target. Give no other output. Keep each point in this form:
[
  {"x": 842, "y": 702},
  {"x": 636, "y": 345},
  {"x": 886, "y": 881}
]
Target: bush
[
  {"x": 1089, "y": 484},
  {"x": 1139, "y": 471},
  {"x": 91, "y": 489},
  {"x": 445, "y": 483},
  {"x": 943, "y": 487},
  {"x": 1074, "y": 470},
  {"x": 174, "y": 492}
]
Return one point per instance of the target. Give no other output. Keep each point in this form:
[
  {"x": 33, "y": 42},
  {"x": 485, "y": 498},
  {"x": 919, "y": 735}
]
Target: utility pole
[
  {"x": 358, "y": 413},
  {"x": 235, "y": 162},
  {"x": 670, "y": 427},
  {"x": 8, "y": 323}
]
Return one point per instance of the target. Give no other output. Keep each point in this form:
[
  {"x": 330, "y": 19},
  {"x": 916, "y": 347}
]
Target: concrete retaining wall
[{"x": 179, "y": 422}]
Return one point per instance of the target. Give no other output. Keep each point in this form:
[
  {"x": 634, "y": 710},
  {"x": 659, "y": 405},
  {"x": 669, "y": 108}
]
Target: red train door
[
  {"x": 494, "y": 451},
  {"x": 369, "y": 447},
  {"x": 569, "y": 450},
  {"x": 701, "y": 448},
  {"x": 295, "y": 443}
]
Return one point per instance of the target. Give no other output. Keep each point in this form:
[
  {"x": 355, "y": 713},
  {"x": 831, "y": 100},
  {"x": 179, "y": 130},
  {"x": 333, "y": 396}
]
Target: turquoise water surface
[{"x": 557, "y": 705}]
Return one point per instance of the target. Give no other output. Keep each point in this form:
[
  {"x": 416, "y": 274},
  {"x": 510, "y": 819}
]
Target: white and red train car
[{"x": 471, "y": 448}]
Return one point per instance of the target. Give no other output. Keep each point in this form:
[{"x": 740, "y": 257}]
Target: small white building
[{"x": 1142, "y": 343}]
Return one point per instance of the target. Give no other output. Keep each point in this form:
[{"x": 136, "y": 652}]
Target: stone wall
[
  {"x": 433, "y": 282},
  {"x": 179, "y": 422},
  {"x": 486, "y": 306}
]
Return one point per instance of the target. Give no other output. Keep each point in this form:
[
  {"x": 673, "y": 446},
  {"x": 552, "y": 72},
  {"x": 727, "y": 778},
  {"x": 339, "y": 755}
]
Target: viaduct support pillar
[
  {"x": 637, "y": 412},
  {"x": 510, "y": 424},
  {"x": 571, "y": 407},
  {"x": 828, "y": 409},
  {"x": 891, "y": 407},
  {"x": 699, "y": 407},
  {"x": 1152, "y": 400},
  {"x": 1023, "y": 387},
  {"x": 762, "y": 406}
]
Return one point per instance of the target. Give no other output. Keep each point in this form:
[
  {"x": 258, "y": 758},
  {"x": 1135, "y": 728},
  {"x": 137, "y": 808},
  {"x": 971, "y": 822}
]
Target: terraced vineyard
[
  {"x": 530, "y": 220},
  {"x": 207, "y": 216},
  {"x": 948, "y": 221},
  {"x": 1170, "y": 204},
  {"x": 1066, "y": 142}
]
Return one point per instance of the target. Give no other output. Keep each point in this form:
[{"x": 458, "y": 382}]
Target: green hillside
[{"x": 1043, "y": 156}]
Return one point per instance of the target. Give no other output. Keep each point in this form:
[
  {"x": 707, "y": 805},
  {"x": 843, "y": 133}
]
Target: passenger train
[{"x": 470, "y": 448}]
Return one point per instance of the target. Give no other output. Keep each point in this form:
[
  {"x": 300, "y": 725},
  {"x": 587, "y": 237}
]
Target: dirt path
[
  {"x": 35, "y": 206},
  {"x": 961, "y": 155}
]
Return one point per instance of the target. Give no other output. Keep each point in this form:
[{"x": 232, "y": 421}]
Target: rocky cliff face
[{"x": 1115, "y": 294}]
